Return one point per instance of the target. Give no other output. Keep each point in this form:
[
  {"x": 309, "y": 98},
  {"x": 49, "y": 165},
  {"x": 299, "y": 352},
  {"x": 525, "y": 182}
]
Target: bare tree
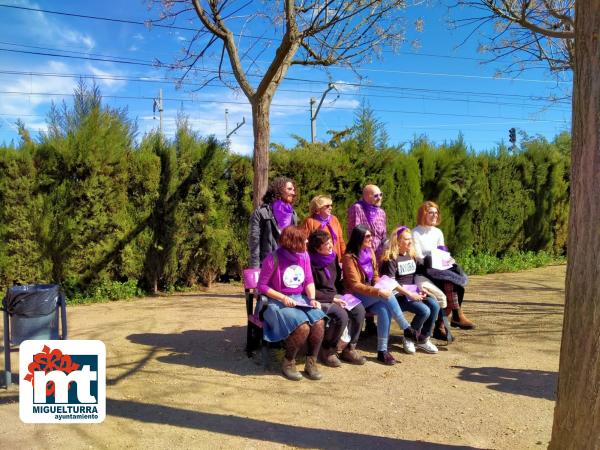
[
  {"x": 318, "y": 33},
  {"x": 566, "y": 35},
  {"x": 528, "y": 30}
]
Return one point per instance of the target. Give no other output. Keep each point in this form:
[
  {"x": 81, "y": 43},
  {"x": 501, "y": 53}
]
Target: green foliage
[
  {"x": 104, "y": 291},
  {"x": 21, "y": 257},
  {"x": 484, "y": 263},
  {"x": 83, "y": 165},
  {"x": 87, "y": 207}
]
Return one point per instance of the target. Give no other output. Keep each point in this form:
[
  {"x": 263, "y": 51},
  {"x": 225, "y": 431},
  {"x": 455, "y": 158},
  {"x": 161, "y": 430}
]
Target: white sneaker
[
  {"x": 427, "y": 346},
  {"x": 409, "y": 346}
]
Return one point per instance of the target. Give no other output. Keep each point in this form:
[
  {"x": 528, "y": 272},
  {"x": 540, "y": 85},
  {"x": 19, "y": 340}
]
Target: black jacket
[{"x": 264, "y": 234}]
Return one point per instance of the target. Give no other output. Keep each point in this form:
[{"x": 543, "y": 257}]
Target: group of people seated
[{"x": 318, "y": 289}]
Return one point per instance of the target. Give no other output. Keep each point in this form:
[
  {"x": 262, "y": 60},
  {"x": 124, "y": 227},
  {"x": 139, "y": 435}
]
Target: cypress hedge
[{"x": 86, "y": 205}]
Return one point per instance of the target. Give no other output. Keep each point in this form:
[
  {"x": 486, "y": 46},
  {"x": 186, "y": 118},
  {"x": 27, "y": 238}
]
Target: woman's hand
[
  {"x": 338, "y": 301},
  {"x": 288, "y": 301},
  {"x": 384, "y": 293},
  {"x": 417, "y": 296},
  {"x": 315, "y": 304}
]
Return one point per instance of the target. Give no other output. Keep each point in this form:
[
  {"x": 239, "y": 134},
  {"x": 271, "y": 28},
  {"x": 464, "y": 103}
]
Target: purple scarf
[
  {"x": 365, "y": 261},
  {"x": 287, "y": 258},
  {"x": 322, "y": 262},
  {"x": 326, "y": 223},
  {"x": 370, "y": 211},
  {"x": 283, "y": 213}
]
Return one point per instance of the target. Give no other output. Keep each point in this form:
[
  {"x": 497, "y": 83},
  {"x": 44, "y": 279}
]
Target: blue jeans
[
  {"x": 426, "y": 313},
  {"x": 385, "y": 310}
]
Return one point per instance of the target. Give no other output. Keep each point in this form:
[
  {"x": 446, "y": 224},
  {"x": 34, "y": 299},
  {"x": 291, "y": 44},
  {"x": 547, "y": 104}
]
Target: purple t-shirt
[{"x": 289, "y": 277}]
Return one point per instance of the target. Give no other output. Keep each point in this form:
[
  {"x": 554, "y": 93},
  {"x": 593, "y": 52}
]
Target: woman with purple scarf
[
  {"x": 360, "y": 275},
  {"x": 327, "y": 278},
  {"x": 292, "y": 313},
  {"x": 271, "y": 218},
  {"x": 320, "y": 218}
]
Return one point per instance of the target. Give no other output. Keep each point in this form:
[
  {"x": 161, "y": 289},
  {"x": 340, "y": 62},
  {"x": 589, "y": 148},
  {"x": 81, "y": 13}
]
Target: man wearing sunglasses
[{"x": 368, "y": 211}]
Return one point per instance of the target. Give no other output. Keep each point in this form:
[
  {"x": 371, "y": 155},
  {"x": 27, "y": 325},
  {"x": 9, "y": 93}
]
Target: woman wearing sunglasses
[
  {"x": 360, "y": 275},
  {"x": 321, "y": 218}
]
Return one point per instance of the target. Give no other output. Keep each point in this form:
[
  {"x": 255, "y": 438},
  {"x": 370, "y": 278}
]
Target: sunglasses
[
  {"x": 327, "y": 206},
  {"x": 368, "y": 236},
  {"x": 380, "y": 195}
]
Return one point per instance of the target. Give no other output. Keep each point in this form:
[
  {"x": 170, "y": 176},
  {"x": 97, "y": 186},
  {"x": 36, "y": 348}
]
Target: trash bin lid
[{"x": 32, "y": 300}]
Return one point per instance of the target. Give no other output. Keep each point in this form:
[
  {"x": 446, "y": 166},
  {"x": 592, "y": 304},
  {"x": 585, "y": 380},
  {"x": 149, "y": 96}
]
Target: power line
[
  {"x": 151, "y": 23},
  {"x": 418, "y": 95},
  {"x": 147, "y": 24},
  {"x": 214, "y": 71},
  {"x": 282, "y": 105}
]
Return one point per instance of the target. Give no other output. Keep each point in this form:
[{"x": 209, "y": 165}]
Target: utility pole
[
  {"x": 313, "y": 112},
  {"x": 237, "y": 127},
  {"x": 226, "y": 126},
  {"x": 158, "y": 104}
]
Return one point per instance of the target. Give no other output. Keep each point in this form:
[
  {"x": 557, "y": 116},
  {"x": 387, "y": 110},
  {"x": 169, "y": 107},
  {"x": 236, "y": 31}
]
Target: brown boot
[
  {"x": 352, "y": 356},
  {"x": 288, "y": 368},
  {"x": 310, "y": 368},
  {"x": 329, "y": 358},
  {"x": 459, "y": 320},
  {"x": 439, "y": 332}
]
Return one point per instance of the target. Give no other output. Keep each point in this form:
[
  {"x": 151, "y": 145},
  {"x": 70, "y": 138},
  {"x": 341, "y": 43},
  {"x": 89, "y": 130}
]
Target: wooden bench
[{"x": 254, "y": 329}]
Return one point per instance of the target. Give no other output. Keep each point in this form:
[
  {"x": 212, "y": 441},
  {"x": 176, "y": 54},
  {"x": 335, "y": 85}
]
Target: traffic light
[{"x": 512, "y": 135}]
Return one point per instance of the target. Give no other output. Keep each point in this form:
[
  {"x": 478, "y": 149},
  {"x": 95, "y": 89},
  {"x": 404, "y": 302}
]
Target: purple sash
[
  {"x": 283, "y": 213},
  {"x": 322, "y": 261},
  {"x": 365, "y": 261},
  {"x": 326, "y": 223}
]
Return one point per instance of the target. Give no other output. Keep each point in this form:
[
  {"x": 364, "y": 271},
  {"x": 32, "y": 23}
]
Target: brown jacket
[
  {"x": 339, "y": 247},
  {"x": 354, "y": 278}
]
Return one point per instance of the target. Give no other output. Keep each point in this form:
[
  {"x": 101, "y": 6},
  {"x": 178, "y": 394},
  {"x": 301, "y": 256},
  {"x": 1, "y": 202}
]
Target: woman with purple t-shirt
[{"x": 292, "y": 313}]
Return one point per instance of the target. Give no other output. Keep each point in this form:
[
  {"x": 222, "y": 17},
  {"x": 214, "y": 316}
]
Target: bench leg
[
  {"x": 7, "y": 374},
  {"x": 249, "y": 336}
]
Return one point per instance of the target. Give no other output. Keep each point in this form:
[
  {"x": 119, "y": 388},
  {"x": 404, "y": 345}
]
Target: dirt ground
[{"x": 177, "y": 377}]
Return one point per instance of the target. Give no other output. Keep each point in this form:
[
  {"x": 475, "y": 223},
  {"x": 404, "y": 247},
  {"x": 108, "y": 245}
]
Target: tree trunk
[
  {"x": 260, "y": 162},
  {"x": 577, "y": 411}
]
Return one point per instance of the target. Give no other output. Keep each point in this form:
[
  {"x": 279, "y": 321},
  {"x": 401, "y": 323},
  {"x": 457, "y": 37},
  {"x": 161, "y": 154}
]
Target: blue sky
[{"x": 439, "y": 89}]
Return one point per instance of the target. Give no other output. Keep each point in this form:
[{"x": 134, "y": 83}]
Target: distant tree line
[{"x": 85, "y": 204}]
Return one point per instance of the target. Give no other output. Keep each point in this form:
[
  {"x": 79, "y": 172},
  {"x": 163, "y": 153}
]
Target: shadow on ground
[
  {"x": 531, "y": 383},
  {"x": 262, "y": 430},
  {"x": 214, "y": 349}
]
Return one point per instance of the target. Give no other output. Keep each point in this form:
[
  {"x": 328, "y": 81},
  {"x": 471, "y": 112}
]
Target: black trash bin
[{"x": 31, "y": 312}]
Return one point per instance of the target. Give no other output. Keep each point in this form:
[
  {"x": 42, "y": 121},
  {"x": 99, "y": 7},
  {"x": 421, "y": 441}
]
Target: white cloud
[
  {"x": 41, "y": 29},
  {"x": 20, "y": 103},
  {"x": 138, "y": 37},
  {"x": 104, "y": 77}
]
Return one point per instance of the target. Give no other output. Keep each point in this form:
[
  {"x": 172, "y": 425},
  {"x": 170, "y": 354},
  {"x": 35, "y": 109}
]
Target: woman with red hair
[
  {"x": 292, "y": 313},
  {"x": 427, "y": 237}
]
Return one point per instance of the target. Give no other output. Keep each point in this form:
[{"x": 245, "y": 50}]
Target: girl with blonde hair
[{"x": 399, "y": 262}]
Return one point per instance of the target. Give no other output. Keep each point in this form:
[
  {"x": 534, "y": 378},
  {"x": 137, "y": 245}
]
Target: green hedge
[{"x": 86, "y": 206}]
